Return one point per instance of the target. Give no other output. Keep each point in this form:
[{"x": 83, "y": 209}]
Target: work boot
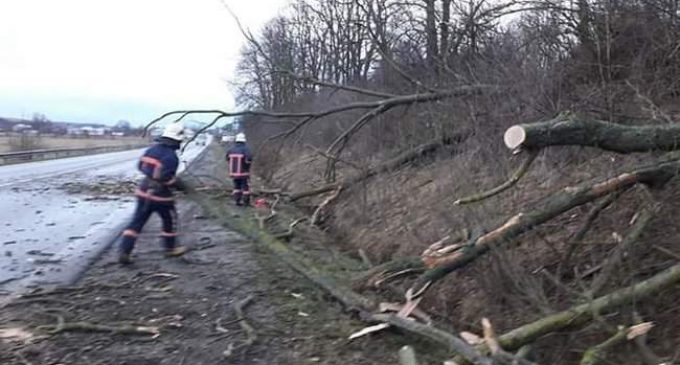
[
  {"x": 124, "y": 259},
  {"x": 176, "y": 251},
  {"x": 246, "y": 200}
]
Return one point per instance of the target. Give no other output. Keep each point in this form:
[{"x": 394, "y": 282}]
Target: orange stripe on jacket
[
  {"x": 130, "y": 233},
  {"x": 145, "y": 195},
  {"x": 156, "y": 163}
]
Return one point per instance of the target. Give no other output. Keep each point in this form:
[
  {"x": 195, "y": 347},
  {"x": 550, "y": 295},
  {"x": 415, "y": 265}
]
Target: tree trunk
[
  {"x": 588, "y": 132},
  {"x": 431, "y": 33},
  {"x": 444, "y": 28}
]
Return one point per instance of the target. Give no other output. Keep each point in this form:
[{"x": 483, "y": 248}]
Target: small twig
[
  {"x": 62, "y": 326},
  {"x": 291, "y": 229},
  {"x": 251, "y": 335},
  {"x": 666, "y": 251},
  {"x": 364, "y": 258},
  {"x": 516, "y": 176},
  {"x": 319, "y": 209}
]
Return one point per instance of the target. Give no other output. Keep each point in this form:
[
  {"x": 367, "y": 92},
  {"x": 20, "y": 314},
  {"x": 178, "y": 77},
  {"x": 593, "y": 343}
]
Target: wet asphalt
[{"x": 49, "y": 235}]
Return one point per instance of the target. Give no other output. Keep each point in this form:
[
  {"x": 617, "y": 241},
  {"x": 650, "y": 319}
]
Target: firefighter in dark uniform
[
  {"x": 240, "y": 158},
  {"x": 155, "y": 193}
]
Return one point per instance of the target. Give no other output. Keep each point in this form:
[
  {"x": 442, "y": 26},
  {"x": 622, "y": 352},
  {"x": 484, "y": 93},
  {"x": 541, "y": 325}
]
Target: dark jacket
[
  {"x": 240, "y": 158},
  {"x": 159, "y": 166}
]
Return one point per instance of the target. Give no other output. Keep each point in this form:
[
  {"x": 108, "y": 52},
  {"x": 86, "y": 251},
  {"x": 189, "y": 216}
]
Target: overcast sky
[{"x": 106, "y": 60}]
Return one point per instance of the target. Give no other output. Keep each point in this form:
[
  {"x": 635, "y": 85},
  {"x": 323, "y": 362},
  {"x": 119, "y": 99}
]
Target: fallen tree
[
  {"x": 577, "y": 131},
  {"x": 551, "y": 207}
]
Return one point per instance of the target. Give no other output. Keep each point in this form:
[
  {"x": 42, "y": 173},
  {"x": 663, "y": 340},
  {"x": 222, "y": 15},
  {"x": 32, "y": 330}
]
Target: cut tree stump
[{"x": 575, "y": 131}]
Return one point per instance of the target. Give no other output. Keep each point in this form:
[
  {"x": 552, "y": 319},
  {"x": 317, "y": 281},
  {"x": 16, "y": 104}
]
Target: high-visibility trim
[
  {"x": 151, "y": 160},
  {"x": 169, "y": 234},
  {"x": 145, "y": 195},
  {"x": 239, "y": 174},
  {"x": 235, "y": 164},
  {"x": 130, "y": 233},
  {"x": 246, "y": 192},
  {"x": 156, "y": 163}
]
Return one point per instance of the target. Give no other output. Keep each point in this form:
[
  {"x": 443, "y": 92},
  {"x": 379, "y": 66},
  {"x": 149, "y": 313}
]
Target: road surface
[{"x": 48, "y": 235}]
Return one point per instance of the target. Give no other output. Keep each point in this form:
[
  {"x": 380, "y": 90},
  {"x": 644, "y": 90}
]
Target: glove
[{"x": 180, "y": 185}]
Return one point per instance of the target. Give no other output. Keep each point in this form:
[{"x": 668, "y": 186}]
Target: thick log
[
  {"x": 386, "y": 166},
  {"x": 572, "y": 130},
  {"x": 551, "y": 207}
]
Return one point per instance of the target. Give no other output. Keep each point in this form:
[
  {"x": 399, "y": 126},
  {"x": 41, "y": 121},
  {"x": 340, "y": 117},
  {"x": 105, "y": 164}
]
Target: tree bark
[{"x": 571, "y": 130}]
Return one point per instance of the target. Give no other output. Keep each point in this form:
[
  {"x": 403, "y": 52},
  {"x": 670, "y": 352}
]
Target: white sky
[{"x": 106, "y": 60}]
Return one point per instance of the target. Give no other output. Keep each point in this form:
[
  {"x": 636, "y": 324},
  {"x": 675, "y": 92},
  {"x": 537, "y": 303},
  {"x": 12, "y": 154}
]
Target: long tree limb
[
  {"x": 353, "y": 89},
  {"x": 468, "y": 90},
  {"x": 516, "y": 176},
  {"x": 551, "y": 207},
  {"x": 573, "y": 130},
  {"x": 386, "y": 166}
]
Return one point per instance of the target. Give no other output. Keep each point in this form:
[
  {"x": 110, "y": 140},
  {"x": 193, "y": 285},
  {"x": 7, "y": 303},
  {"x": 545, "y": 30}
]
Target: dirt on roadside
[{"x": 182, "y": 310}]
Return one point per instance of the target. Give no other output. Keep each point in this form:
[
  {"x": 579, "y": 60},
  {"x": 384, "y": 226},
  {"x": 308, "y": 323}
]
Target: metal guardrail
[{"x": 40, "y": 155}]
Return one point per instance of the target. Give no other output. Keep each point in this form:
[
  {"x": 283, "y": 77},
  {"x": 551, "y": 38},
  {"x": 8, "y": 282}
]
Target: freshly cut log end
[{"x": 514, "y": 137}]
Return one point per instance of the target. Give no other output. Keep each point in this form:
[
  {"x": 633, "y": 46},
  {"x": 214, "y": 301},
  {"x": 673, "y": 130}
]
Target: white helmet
[
  {"x": 240, "y": 137},
  {"x": 174, "y": 131}
]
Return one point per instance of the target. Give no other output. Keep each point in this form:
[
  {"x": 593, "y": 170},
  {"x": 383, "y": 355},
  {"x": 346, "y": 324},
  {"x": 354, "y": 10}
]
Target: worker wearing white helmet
[
  {"x": 240, "y": 158},
  {"x": 155, "y": 193}
]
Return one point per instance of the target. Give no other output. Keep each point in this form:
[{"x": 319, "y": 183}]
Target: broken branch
[
  {"x": 516, "y": 176},
  {"x": 551, "y": 207},
  {"x": 323, "y": 205}
]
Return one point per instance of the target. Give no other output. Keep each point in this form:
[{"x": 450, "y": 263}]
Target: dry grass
[
  {"x": 402, "y": 213},
  {"x": 14, "y": 143}
]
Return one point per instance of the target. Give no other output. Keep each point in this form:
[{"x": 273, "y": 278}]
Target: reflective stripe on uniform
[
  {"x": 156, "y": 163},
  {"x": 130, "y": 233},
  {"x": 145, "y": 195}
]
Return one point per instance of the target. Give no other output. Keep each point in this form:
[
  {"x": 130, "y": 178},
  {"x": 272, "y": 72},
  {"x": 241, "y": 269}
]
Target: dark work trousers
[
  {"x": 241, "y": 191},
  {"x": 143, "y": 212}
]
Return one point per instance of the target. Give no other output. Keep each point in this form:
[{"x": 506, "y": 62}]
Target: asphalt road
[{"x": 49, "y": 235}]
